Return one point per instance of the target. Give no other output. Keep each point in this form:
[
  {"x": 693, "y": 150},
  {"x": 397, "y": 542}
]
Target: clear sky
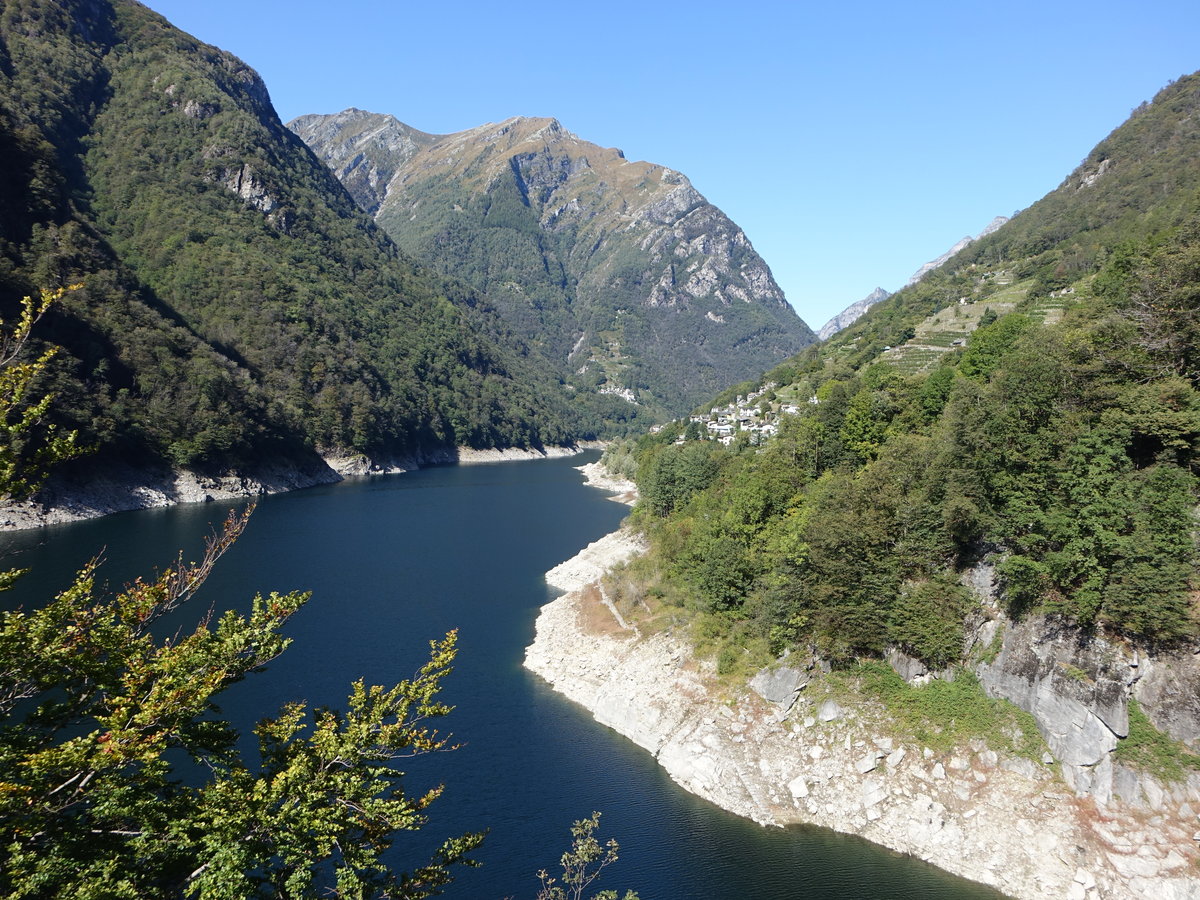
[{"x": 852, "y": 141}]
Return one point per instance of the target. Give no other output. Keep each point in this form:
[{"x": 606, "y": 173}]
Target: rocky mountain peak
[{"x": 371, "y": 146}]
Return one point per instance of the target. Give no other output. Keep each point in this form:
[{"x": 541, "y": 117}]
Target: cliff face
[
  {"x": 1078, "y": 686},
  {"x": 790, "y": 752},
  {"x": 620, "y": 270}
]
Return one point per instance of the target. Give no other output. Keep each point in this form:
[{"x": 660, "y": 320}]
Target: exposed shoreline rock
[
  {"x": 122, "y": 487},
  {"x": 595, "y": 475},
  {"x": 1008, "y": 822}
]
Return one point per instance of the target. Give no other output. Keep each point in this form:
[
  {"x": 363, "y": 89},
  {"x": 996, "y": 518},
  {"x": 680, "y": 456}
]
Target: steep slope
[
  {"x": 620, "y": 270},
  {"x": 237, "y": 305},
  {"x": 851, "y": 314}
]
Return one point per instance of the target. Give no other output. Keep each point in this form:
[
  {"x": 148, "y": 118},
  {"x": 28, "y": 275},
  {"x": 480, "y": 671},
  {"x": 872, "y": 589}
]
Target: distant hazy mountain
[
  {"x": 619, "y": 270},
  {"x": 852, "y": 312},
  {"x": 953, "y": 251}
]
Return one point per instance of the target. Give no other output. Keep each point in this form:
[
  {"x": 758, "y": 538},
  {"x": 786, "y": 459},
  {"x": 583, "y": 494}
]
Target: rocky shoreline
[
  {"x": 622, "y": 489},
  {"x": 1008, "y": 822},
  {"x": 89, "y": 494}
]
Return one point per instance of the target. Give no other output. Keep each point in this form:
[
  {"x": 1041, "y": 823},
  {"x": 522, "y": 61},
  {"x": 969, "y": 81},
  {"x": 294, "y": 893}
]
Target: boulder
[
  {"x": 829, "y": 711},
  {"x": 779, "y": 684}
]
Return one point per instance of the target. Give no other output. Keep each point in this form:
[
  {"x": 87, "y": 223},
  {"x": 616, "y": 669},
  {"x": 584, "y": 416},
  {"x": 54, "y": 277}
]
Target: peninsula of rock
[{"x": 787, "y": 750}]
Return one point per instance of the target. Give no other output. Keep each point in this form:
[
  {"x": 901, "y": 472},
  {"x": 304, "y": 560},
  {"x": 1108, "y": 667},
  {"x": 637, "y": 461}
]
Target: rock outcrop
[
  {"x": 1075, "y": 688},
  {"x": 1168, "y": 689}
]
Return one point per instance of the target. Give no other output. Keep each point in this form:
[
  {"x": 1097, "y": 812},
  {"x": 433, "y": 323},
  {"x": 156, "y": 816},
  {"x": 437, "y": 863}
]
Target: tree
[
  {"x": 28, "y": 446},
  {"x": 103, "y": 719},
  {"x": 667, "y": 479},
  {"x": 581, "y": 865},
  {"x": 927, "y": 621},
  {"x": 1165, "y": 304}
]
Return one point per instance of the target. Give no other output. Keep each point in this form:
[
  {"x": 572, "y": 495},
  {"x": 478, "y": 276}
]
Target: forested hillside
[
  {"x": 236, "y": 305},
  {"x": 1033, "y": 403},
  {"x": 619, "y": 271}
]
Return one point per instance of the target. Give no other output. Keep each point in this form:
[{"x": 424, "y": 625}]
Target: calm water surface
[{"x": 395, "y": 561}]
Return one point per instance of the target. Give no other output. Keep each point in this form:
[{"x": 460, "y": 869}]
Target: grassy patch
[
  {"x": 943, "y": 715},
  {"x": 738, "y": 655},
  {"x": 989, "y": 653},
  {"x": 1076, "y": 673},
  {"x": 1152, "y": 751}
]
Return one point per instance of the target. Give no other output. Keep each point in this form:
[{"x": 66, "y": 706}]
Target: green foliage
[
  {"x": 927, "y": 621},
  {"x": 582, "y": 865},
  {"x": 944, "y": 715},
  {"x": 935, "y": 391},
  {"x": 1024, "y": 582},
  {"x": 27, "y": 451},
  {"x": 620, "y": 459},
  {"x": 1067, "y": 450},
  {"x": 1164, "y": 304},
  {"x": 667, "y": 479},
  {"x": 989, "y": 344},
  {"x": 102, "y": 718},
  {"x": 1147, "y": 748}
]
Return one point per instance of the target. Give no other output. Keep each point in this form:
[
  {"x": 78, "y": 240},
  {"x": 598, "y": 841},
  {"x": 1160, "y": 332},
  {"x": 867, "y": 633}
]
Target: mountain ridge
[
  {"x": 851, "y": 313},
  {"x": 961, "y": 245}
]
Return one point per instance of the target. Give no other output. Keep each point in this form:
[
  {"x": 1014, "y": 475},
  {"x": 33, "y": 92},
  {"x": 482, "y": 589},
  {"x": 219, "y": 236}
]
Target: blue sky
[{"x": 852, "y": 142}]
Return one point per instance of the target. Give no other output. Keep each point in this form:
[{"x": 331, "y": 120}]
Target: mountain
[
  {"x": 620, "y": 271},
  {"x": 851, "y": 313},
  {"x": 237, "y": 306},
  {"x": 961, "y": 245},
  {"x": 855, "y": 310}
]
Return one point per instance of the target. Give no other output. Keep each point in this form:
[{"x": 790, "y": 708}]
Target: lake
[{"x": 395, "y": 561}]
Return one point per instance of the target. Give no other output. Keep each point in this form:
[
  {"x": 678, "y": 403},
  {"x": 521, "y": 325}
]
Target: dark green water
[{"x": 398, "y": 560}]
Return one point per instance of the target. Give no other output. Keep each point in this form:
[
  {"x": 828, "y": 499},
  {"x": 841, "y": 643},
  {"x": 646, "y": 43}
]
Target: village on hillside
[{"x": 755, "y": 414}]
